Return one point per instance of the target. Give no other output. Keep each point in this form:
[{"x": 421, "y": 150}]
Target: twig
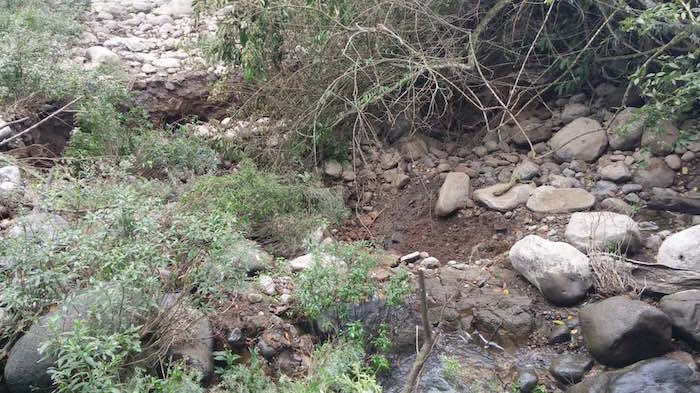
[
  {"x": 39, "y": 123},
  {"x": 427, "y": 344}
]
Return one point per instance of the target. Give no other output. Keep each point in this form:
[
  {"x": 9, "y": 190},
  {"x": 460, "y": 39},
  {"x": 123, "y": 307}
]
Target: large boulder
[
  {"x": 661, "y": 140},
  {"x": 681, "y": 250},
  {"x": 626, "y": 130},
  {"x": 658, "y": 375},
  {"x": 453, "y": 194},
  {"x": 515, "y": 196},
  {"x": 620, "y": 331},
  {"x": 654, "y": 174},
  {"x": 548, "y": 199},
  {"x": 684, "y": 310},
  {"x": 99, "y": 55},
  {"x": 603, "y": 230},
  {"x": 582, "y": 139},
  {"x": 27, "y": 368},
  {"x": 561, "y": 272}
]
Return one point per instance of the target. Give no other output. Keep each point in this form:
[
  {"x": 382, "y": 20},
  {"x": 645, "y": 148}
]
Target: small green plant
[
  {"x": 397, "y": 288},
  {"x": 451, "y": 368},
  {"x": 179, "y": 156}
]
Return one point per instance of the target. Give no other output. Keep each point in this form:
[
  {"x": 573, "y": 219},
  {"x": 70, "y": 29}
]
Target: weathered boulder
[
  {"x": 620, "y": 331},
  {"x": 625, "y": 131},
  {"x": 333, "y": 169},
  {"x": 658, "y": 375},
  {"x": 661, "y": 140},
  {"x": 38, "y": 226},
  {"x": 515, "y": 196},
  {"x": 569, "y": 368},
  {"x": 582, "y": 139},
  {"x": 681, "y": 250},
  {"x": 535, "y": 130},
  {"x": 684, "y": 310},
  {"x": 574, "y": 110},
  {"x": 603, "y": 230},
  {"x": 547, "y": 199},
  {"x": 453, "y": 194},
  {"x": 561, "y": 272},
  {"x": 654, "y": 174}
]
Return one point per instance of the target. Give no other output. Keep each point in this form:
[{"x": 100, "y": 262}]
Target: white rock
[
  {"x": 10, "y": 174},
  {"x": 603, "y": 230},
  {"x": 681, "y": 250},
  {"x": 267, "y": 284},
  {"x": 514, "y": 197},
  {"x": 167, "y": 62},
  {"x": 305, "y": 262},
  {"x": 561, "y": 272}
]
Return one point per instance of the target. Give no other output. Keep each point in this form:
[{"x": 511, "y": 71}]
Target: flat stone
[
  {"x": 526, "y": 170},
  {"x": 547, "y": 199},
  {"x": 514, "y": 197}
]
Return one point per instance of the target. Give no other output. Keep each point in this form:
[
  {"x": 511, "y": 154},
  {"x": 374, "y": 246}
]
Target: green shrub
[
  {"x": 330, "y": 287},
  {"x": 180, "y": 156},
  {"x": 279, "y": 213}
]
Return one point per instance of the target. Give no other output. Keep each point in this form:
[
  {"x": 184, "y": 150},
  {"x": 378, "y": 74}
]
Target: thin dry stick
[
  {"x": 39, "y": 123},
  {"x": 427, "y": 344}
]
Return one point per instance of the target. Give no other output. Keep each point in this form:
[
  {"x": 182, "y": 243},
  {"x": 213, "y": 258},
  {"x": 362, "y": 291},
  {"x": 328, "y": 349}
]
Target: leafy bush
[
  {"x": 338, "y": 279},
  {"x": 280, "y": 213}
]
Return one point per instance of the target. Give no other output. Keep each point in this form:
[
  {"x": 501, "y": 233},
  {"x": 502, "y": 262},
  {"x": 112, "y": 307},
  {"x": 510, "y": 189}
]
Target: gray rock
[
  {"x": 560, "y": 334},
  {"x": 570, "y": 368},
  {"x": 536, "y": 131},
  {"x": 661, "y": 139},
  {"x": 100, "y": 55},
  {"x": 560, "y": 181},
  {"x": 560, "y": 271},
  {"x": 10, "y": 174},
  {"x": 654, "y": 174},
  {"x": 658, "y": 375},
  {"x": 547, "y": 199},
  {"x": 673, "y": 161},
  {"x": 333, "y": 169},
  {"x": 681, "y": 250},
  {"x": 684, "y": 310},
  {"x": 306, "y": 261},
  {"x": 453, "y": 194},
  {"x": 389, "y": 160},
  {"x": 602, "y": 230},
  {"x": 527, "y": 380},
  {"x": 250, "y": 257},
  {"x": 27, "y": 368},
  {"x": 631, "y": 187},
  {"x": 526, "y": 170},
  {"x": 413, "y": 147},
  {"x": 38, "y": 226},
  {"x": 620, "y": 331},
  {"x": 582, "y": 139},
  {"x": 617, "y": 172},
  {"x": 574, "y": 110},
  {"x": 604, "y": 189},
  {"x": 514, "y": 197},
  {"x": 625, "y": 132},
  {"x": 616, "y": 205},
  {"x": 192, "y": 336}
]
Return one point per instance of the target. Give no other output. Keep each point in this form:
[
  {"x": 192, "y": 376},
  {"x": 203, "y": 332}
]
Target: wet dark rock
[
  {"x": 684, "y": 310},
  {"x": 570, "y": 368},
  {"x": 560, "y": 334},
  {"x": 236, "y": 338},
  {"x": 619, "y": 331},
  {"x": 658, "y": 375}
]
